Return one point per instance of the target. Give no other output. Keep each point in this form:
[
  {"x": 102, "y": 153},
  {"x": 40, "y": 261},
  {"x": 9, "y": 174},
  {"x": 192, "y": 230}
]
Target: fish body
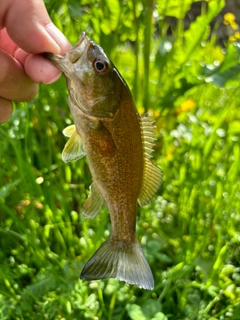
[{"x": 118, "y": 145}]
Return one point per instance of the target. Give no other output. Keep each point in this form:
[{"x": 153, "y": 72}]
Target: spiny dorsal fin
[
  {"x": 152, "y": 175},
  {"x": 94, "y": 203},
  {"x": 147, "y": 135},
  {"x": 73, "y": 149}
]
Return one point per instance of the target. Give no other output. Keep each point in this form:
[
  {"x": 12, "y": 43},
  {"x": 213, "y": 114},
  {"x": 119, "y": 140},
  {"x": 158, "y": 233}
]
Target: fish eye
[{"x": 100, "y": 66}]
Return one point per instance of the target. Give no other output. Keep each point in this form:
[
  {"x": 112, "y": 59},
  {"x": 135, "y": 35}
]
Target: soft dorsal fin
[
  {"x": 152, "y": 175},
  {"x": 73, "y": 149}
]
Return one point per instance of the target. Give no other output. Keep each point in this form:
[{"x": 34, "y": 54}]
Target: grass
[{"x": 189, "y": 232}]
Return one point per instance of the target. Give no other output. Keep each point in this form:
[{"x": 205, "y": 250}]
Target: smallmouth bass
[{"x": 118, "y": 143}]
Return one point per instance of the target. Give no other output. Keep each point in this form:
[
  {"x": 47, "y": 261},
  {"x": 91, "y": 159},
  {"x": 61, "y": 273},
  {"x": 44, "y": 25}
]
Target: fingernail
[{"x": 58, "y": 37}]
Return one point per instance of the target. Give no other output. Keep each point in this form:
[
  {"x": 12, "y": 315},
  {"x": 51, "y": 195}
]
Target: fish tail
[{"x": 122, "y": 260}]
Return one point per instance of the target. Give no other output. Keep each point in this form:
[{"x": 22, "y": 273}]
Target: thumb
[{"x": 30, "y": 27}]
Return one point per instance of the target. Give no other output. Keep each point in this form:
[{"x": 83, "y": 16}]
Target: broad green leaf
[
  {"x": 198, "y": 31},
  {"x": 232, "y": 57},
  {"x": 151, "y": 307},
  {"x": 159, "y": 316},
  {"x": 135, "y": 312},
  {"x": 110, "y": 22},
  {"x": 174, "y": 8},
  {"x": 230, "y": 74}
]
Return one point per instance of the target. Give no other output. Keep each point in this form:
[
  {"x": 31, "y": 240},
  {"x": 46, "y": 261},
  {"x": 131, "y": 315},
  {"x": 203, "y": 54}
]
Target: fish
[{"x": 118, "y": 144}]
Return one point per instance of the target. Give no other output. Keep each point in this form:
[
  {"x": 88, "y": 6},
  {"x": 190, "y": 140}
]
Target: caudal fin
[{"x": 121, "y": 260}]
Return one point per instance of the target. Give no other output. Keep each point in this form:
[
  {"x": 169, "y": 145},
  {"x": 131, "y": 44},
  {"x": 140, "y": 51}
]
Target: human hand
[{"x": 26, "y": 31}]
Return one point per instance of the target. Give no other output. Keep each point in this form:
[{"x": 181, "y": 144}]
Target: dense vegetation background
[{"x": 181, "y": 72}]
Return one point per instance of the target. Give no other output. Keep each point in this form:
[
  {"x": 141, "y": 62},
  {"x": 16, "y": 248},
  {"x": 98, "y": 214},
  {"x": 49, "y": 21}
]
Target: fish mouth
[
  {"x": 73, "y": 55},
  {"x": 82, "y": 42},
  {"x": 79, "y": 48}
]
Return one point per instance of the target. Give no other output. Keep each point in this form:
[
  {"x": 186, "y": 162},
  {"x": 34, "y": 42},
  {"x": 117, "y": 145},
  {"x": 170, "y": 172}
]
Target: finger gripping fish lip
[{"x": 52, "y": 57}]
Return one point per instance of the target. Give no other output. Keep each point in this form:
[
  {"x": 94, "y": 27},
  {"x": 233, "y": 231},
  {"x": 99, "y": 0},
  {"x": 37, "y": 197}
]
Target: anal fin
[{"x": 93, "y": 204}]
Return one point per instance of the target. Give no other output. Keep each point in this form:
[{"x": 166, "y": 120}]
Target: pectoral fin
[
  {"x": 73, "y": 149},
  {"x": 69, "y": 131},
  {"x": 152, "y": 175},
  {"x": 93, "y": 204}
]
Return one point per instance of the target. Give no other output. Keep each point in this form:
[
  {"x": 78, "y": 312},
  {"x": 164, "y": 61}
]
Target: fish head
[{"x": 94, "y": 83}]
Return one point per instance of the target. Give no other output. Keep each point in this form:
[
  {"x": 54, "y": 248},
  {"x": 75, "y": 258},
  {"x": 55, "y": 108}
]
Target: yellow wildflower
[
  {"x": 170, "y": 152},
  {"x": 229, "y": 18},
  {"x": 169, "y": 156},
  {"x": 234, "y": 37},
  {"x": 234, "y": 25},
  {"x": 187, "y": 105},
  {"x": 141, "y": 110},
  {"x": 156, "y": 113},
  {"x": 237, "y": 35}
]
